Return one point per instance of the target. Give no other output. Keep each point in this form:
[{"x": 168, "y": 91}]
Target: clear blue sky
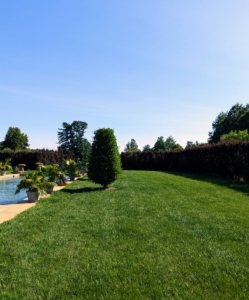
[{"x": 144, "y": 68}]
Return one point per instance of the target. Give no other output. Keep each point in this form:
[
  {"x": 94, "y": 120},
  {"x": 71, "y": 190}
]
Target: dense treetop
[
  {"x": 237, "y": 118},
  {"x": 131, "y": 146},
  {"x": 71, "y": 137},
  {"x": 15, "y": 140}
]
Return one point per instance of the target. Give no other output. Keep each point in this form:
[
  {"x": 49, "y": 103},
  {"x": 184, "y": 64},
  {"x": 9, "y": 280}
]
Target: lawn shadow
[
  {"x": 236, "y": 185},
  {"x": 83, "y": 179},
  {"x": 81, "y": 190}
]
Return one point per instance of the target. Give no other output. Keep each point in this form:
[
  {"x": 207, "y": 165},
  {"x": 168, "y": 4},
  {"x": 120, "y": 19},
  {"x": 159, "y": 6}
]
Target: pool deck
[{"x": 9, "y": 211}]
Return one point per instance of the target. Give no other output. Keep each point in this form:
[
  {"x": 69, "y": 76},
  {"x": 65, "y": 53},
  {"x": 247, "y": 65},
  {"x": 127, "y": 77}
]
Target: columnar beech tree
[{"x": 104, "y": 164}]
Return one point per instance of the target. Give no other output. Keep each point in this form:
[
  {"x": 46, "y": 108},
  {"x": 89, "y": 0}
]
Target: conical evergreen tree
[{"x": 104, "y": 164}]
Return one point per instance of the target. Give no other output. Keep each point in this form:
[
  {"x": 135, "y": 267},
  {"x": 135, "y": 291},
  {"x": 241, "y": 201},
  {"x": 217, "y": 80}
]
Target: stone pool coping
[{"x": 9, "y": 211}]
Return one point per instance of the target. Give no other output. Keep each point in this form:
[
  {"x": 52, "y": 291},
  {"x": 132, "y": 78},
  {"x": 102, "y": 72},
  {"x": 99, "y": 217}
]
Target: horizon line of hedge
[
  {"x": 31, "y": 157},
  {"x": 227, "y": 158}
]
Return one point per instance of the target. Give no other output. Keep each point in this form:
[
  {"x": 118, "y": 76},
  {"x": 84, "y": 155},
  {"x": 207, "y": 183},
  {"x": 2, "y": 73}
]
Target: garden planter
[
  {"x": 17, "y": 172},
  {"x": 50, "y": 191},
  {"x": 2, "y": 173},
  {"x": 72, "y": 177},
  {"x": 32, "y": 196}
]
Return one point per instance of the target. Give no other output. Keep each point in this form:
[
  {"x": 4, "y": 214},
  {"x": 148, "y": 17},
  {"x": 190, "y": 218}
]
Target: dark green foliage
[
  {"x": 104, "y": 163},
  {"x": 227, "y": 158},
  {"x": 237, "y": 118},
  {"x": 29, "y": 158},
  {"x": 71, "y": 138},
  {"x": 160, "y": 144},
  {"x": 85, "y": 152},
  {"x": 243, "y": 122},
  {"x": 15, "y": 140},
  {"x": 147, "y": 148},
  {"x": 131, "y": 146},
  {"x": 168, "y": 145}
]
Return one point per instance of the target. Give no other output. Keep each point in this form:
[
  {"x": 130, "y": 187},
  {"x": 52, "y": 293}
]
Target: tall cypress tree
[{"x": 104, "y": 164}]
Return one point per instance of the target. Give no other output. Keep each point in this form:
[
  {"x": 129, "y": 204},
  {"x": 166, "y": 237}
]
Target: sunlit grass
[{"x": 157, "y": 236}]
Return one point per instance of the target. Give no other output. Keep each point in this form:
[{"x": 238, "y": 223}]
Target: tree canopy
[
  {"x": 237, "y": 118},
  {"x": 71, "y": 137},
  {"x": 147, "y": 148},
  {"x": 168, "y": 144},
  {"x": 15, "y": 139},
  {"x": 131, "y": 146},
  {"x": 159, "y": 144}
]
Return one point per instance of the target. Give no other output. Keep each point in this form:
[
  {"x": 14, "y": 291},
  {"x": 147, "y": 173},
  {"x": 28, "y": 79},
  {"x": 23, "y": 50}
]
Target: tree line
[
  {"x": 70, "y": 138},
  {"x": 230, "y": 125},
  {"x": 160, "y": 144}
]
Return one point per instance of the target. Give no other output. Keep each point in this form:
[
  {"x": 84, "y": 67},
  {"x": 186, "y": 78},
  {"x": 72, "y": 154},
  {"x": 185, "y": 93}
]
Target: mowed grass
[{"x": 157, "y": 236}]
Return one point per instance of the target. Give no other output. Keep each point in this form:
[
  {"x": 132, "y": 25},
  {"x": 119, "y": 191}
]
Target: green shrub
[
  {"x": 104, "y": 164},
  {"x": 236, "y": 135}
]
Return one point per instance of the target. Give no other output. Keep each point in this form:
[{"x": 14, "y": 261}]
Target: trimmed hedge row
[
  {"x": 228, "y": 158},
  {"x": 29, "y": 158}
]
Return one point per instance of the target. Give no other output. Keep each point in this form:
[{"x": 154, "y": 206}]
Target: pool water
[{"x": 7, "y": 191}]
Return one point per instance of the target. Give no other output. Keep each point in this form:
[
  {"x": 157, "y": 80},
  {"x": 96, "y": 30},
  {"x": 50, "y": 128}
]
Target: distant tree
[
  {"x": 237, "y": 118},
  {"x": 237, "y": 136},
  {"x": 85, "y": 152},
  {"x": 160, "y": 144},
  {"x": 131, "y": 146},
  {"x": 71, "y": 137},
  {"x": 191, "y": 144},
  {"x": 168, "y": 145},
  {"x": 243, "y": 122},
  {"x": 15, "y": 140},
  {"x": 177, "y": 147},
  {"x": 147, "y": 148},
  {"x": 104, "y": 163}
]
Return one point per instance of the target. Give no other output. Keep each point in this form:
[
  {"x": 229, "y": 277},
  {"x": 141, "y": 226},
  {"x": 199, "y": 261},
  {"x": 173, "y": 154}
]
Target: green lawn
[{"x": 157, "y": 236}]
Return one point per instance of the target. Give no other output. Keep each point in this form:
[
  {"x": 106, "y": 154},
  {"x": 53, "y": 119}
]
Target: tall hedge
[
  {"x": 29, "y": 158},
  {"x": 104, "y": 164},
  {"x": 228, "y": 159}
]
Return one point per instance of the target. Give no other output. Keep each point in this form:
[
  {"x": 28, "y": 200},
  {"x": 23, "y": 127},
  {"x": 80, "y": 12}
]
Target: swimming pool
[{"x": 7, "y": 191}]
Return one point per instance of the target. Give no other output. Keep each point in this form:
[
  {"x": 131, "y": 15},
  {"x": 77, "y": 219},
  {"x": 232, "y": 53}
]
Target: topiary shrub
[{"x": 104, "y": 164}]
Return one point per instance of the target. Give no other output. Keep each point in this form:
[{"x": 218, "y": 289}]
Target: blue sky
[{"x": 144, "y": 68}]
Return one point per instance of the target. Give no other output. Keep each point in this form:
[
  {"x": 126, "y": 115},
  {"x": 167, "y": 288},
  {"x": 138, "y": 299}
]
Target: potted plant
[
  {"x": 35, "y": 183},
  {"x": 72, "y": 168},
  {"x": 61, "y": 180},
  {"x": 49, "y": 187},
  {"x": 16, "y": 170},
  {"x": 54, "y": 174},
  {"x": 5, "y": 166}
]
